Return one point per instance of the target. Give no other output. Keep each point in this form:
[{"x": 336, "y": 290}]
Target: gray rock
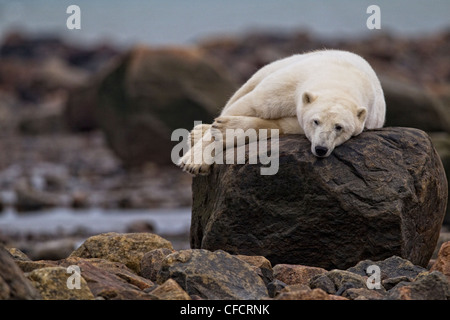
[
  {"x": 412, "y": 106},
  {"x": 53, "y": 249},
  {"x": 337, "y": 281},
  {"x": 151, "y": 262},
  {"x": 31, "y": 199},
  {"x": 323, "y": 282},
  {"x": 391, "y": 268},
  {"x": 274, "y": 287},
  {"x": 430, "y": 286},
  {"x": 363, "y": 294},
  {"x": 212, "y": 275},
  {"x": 380, "y": 194},
  {"x": 152, "y": 92}
]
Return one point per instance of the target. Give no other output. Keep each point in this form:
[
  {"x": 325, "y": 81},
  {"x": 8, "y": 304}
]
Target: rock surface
[
  {"x": 294, "y": 292},
  {"x": 442, "y": 263},
  {"x": 13, "y": 284},
  {"x": 410, "y": 106},
  {"x": 151, "y": 262},
  {"x": 296, "y": 274},
  {"x": 141, "y": 99},
  {"x": 261, "y": 265},
  {"x": 430, "y": 286},
  {"x": 391, "y": 268},
  {"x": 441, "y": 142},
  {"x": 128, "y": 248},
  {"x": 380, "y": 194},
  {"x": 111, "y": 280},
  {"x": 337, "y": 281},
  {"x": 52, "y": 284},
  {"x": 201, "y": 274},
  {"x": 212, "y": 275},
  {"x": 170, "y": 290}
]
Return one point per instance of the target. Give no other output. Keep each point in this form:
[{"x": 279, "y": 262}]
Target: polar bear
[{"x": 328, "y": 95}]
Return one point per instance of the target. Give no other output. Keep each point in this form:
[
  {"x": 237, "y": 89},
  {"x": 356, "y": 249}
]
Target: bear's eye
[
  {"x": 316, "y": 122},
  {"x": 338, "y": 127}
]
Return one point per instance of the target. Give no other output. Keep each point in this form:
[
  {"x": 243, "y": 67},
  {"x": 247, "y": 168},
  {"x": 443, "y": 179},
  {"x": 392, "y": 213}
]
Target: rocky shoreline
[
  {"x": 64, "y": 149},
  {"x": 144, "y": 266}
]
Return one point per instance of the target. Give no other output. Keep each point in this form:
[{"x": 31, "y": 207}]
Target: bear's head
[{"x": 328, "y": 121}]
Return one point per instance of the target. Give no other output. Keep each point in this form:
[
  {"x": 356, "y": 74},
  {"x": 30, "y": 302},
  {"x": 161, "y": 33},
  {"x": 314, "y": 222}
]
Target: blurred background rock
[{"x": 86, "y": 115}]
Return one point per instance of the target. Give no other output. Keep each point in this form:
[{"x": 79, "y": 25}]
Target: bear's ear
[
  {"x": 361, "y": 114},
  {"x": 308, "y": 97}
]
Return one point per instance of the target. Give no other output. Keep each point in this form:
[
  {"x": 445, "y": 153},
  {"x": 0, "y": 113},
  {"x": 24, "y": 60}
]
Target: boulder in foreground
[
  {"x": 127, "y": 248},
  {"x": 213, "y": 275}
]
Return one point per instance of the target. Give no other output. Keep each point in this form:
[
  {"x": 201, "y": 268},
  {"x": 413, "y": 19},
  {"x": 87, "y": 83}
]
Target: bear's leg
[
  {"x": 196, "y": 160},
  {"x": 249, "y": 128},
  {"x": 197, "y": 133}
]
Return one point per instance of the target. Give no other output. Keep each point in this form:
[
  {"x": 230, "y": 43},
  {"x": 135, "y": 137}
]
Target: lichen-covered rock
[
  {"x": 28, "y": 266},
  {"x": 212, "y": 275},
  {"x": 261, "y": 265},
  {"x": 380, "y": 194},
  {"x": 170, "y": 290},
  {"x": 18, "y": 255},
  {"x": 442, "y": 263},
  {"x": 52, "y": 283},
  {"x": 127, "y": 248},
  {"x": 111, "y": 280},
  {"x": 296, "y": 274},
  {"x": 13, "y": 284},
  {"x": 363, "y": 294},
  {"x": 300, "y": 292},
  {"x": 151, "y": 262}
]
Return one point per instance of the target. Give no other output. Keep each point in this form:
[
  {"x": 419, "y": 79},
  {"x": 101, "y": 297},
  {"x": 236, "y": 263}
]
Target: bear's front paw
[
  {"x": 195, "y": 169},
  {"x": 187, "y": 164},
  {"x": 198, "y": 132},
  {"x": 227, "y": 122}
]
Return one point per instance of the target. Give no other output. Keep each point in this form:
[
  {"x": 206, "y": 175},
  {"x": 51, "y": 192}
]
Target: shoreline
[{"x": 50, "y": 164}]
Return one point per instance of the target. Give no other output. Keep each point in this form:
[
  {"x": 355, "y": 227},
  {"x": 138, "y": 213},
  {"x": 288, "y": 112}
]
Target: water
[
  {"x": 168, "y": 22},
  {"x": 93, "y": 221}
]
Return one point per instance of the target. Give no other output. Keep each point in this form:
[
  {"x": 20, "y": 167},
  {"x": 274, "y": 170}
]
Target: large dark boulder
[{"x": 380, "y": 194}]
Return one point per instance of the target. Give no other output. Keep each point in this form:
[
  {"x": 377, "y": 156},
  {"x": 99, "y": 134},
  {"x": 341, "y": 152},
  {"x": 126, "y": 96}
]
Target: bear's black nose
[{"x": 321, "y": 151}]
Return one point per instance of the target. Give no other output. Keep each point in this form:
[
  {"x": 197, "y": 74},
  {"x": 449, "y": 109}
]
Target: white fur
[{"x": 314, "y": 93}]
